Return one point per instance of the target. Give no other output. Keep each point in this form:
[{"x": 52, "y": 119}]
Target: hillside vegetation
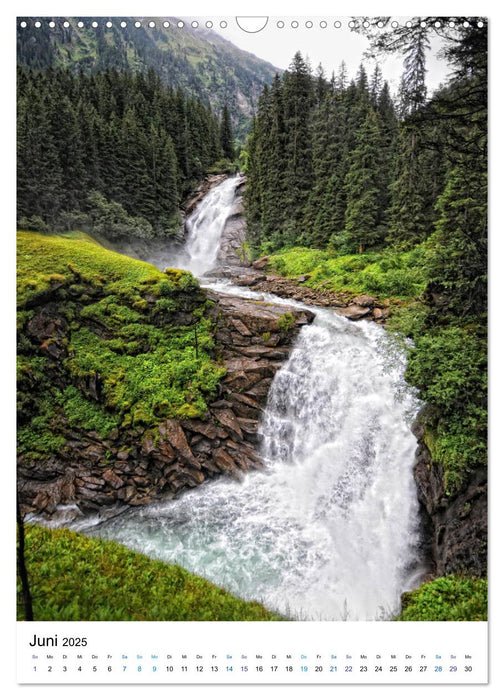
[
  {"x": 105, "y": 342},
  {"x": 198, "y": 60}
]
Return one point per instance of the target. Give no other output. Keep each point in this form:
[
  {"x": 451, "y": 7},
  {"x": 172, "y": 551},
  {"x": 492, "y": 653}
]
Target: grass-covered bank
[
  {"x": 73, "y": 577},
  {"x": 105, "y": 342},
  {"x": 384, "y": 274}
]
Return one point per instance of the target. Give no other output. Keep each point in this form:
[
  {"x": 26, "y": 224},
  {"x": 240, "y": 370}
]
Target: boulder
[
  {"x": 249, "y": 280},
  {"x": 262, "y": 263},
  {"x": 112, "y": 479},
  {"x": 223, "y": 460},
  {"x": 364, "y": 300},
  {"x": 354, "y": 312},
  {"x": 230, "y": 422},
  {"x": 174, "y": 434}
]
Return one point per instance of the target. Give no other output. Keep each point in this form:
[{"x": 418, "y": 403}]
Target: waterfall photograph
[{"x": 252, "y": 319}]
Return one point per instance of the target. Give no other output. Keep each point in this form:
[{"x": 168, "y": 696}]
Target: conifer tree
[
  {"x": 362, "y": 191},
  {"x": 458, "y": 258},
  {"x": 39, "y": 176},
  {"x": 409, "y": 220},
  {"x": 226, "y": 135},
  {"x": 298, "y": 100}
]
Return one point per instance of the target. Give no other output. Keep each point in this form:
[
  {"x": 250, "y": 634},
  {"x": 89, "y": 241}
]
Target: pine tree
[
  {"x": 409, "y": 223},
  {"x": 458, "y": 259},
  {"x": 298, "y": 100},
  {"x": 226, "y": 135},
  {"x": 272, "y": 157},
  {"x": 362, "y": 192},
  {"x": 412, "y": 90},
  {"x": 39, "y": 175}
]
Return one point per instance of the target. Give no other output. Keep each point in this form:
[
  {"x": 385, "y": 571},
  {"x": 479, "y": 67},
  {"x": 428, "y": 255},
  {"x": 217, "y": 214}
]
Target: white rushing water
[
  {"x": 204, "y": 228},
  {"x": 330, "y": 529}
]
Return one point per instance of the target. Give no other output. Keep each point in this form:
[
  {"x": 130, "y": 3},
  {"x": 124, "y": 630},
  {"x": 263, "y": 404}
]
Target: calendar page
[{"x": 251, "y": 349}]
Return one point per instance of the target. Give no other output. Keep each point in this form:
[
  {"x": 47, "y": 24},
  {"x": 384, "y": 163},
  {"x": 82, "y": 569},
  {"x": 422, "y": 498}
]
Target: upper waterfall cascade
[{"x": 205, "y": 226}]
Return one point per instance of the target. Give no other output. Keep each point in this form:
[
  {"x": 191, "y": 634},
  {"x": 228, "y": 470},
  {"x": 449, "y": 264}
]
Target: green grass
[
  {"x": 45, "y": 260},
  {"x": 448, "y": 598},
  {"x": 388, "y": 273},
  {"x": 73, "y": 577},
  {"x": 126, "y": 327}
]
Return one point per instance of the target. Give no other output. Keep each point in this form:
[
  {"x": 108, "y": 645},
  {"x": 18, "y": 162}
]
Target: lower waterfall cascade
[{"x": 330, "y": 529}]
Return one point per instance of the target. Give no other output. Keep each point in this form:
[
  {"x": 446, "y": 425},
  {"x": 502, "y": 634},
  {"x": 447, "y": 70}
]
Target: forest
[{"x": 112, "y": 153}]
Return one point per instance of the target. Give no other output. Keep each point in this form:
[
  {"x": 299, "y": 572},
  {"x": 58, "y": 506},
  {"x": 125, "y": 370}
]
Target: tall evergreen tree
[
  {"x": 362, "y": 191},
  {"x": 298, "y": 98},
  {"x": 458, "y": 259},
  {"x": 226, "y": 135}
]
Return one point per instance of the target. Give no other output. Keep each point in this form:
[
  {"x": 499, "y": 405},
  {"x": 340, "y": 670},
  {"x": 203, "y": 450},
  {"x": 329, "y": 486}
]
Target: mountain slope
[{"x": 200, "y": 61}]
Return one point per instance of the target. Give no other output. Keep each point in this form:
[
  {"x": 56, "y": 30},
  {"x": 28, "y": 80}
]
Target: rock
[
  {"x": 206, "y": 428},
  {"x": 354, "y": 312},
  {"x": 303, "y": 278},
  {"x": 147, "y": 445},
  {"x": 228, "y": 419},
  {"x": 53, "y": 348},
  {"x": 244, "y": 406},
  {"x": 249, "y": 280},
  {"x": 249, "y": 426},
  {"x": 113, "y": 479},
  {"x": 262, "y": 263},
  {"x": 241, "y": 327},
  {"x": 223, "y": 460},
  {"x": 126, "y": 493},
  {"x": 176, "y": 437},
  {"x": 364, "y": 300}
]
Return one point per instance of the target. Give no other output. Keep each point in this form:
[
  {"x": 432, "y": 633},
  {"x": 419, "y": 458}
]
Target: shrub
[{"x": 448, "y": 598}]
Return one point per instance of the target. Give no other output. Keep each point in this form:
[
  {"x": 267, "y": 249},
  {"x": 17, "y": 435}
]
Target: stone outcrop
[
  {"x": 455, "y": 526},
  {"x": 233, "y": 250},
  {"x": 201, "y": 190},
  {"x": 132, "y": 468}
]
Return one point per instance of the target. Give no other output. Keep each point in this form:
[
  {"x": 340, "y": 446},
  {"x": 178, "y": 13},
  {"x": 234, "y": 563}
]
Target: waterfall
[
  {"x": 204, "y": 228},
  {"x": 330, "y": 529}
]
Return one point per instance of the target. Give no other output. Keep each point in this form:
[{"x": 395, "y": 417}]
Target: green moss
[
  {"x": 449, "y": 598},
  {"x": 75, "y": 578},
  {"x": 285, "y": 322},
  {"x": 77, "y": 260}
]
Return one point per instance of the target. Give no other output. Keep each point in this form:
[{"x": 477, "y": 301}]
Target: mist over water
[{"x": 330, "y": 529}]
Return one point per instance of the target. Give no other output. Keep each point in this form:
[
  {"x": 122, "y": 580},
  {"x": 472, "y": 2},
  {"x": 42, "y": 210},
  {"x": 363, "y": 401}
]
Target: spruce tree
[
  {"x": 226, "y": 135},
  {"x": 458, "y": 248},
  {"x": 361, "y": 188},
  {"x": 298, "y": 99}
]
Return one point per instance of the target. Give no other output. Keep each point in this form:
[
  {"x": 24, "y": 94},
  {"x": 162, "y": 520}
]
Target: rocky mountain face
[{"x": 198, "y": 60}]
